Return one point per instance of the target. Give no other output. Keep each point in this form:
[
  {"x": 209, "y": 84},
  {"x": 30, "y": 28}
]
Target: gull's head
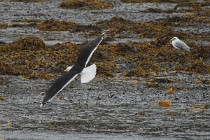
[{"x": 174, "y": 38}]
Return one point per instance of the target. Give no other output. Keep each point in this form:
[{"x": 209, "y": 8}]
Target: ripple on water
[{"x": 105, "y": 106}]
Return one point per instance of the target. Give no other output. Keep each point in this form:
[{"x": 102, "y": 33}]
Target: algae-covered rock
[
  {"x": 3, "y": 26},
  {"x": 86, "y": 4},
  {"x": 30, "y": 58},
  {"x": 27, "y": 0},
  {"x": 56, "y": 25},
  {"x": 29, "y": 43}
]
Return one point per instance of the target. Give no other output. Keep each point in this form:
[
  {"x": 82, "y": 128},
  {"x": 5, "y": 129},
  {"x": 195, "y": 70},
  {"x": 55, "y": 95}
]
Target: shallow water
[
  {"x": 77, "y": 136},
  {"x": 105, "y": 109},
  {"x": 10, "y": 12}
]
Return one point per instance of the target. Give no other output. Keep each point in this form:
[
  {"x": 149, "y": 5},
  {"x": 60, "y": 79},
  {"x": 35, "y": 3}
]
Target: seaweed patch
[
  {"x": 27, "y": 0},
  {"x": 31, "y": 58},
  {"x": 86, "y": 4}
]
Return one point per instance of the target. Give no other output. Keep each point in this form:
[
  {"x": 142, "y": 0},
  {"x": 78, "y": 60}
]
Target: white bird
[{"x": 179, "y": 44}]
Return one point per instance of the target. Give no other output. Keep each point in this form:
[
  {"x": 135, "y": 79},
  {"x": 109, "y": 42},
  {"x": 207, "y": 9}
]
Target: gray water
[
  {"x": 10, "y": 12},
  {"x": 114, "y": 108}
]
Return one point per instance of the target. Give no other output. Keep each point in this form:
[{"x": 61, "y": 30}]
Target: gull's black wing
[
  {"x": 83, "y": 59},
  {"x": 88, "y": 50},
  {"x": 59, "y": 84}
]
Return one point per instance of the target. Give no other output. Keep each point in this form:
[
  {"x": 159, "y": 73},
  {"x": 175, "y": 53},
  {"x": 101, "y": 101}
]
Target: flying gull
[
  {"x": 179, "y": 44},
  {"x": 87, "y": 73}
]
